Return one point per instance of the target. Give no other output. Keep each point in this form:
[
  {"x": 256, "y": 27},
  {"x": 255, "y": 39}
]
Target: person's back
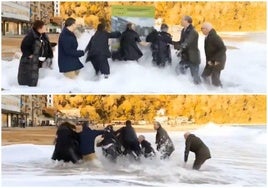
[
  {"x": 196, "y": 145},
  {"x": 146, "y": 147},
  {"x": 128, "y": 44}
]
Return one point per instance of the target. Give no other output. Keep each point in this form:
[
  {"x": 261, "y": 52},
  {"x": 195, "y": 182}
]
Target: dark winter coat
[
  {"x": 36, "y": 45},
  {"x": 189, "y": 45},
  {"x": 128, "y": 45},
  {"x": 195, "y": 144},
  {"x": 146, "y": 148},
  {"x": 163, "y": 141},
  {"x": 87, "y": 140},
  {"x": 98, "y": 44},
  {"x": 215, "y": 49},
  {"x": 160, "y": 45},
  {"x": 67, "y": 145},
  {"x": 68, "y": 57},
  {"x": 128, "y": 138}
]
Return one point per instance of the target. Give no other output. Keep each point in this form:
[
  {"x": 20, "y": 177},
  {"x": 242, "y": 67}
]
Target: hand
[
  {"x": 31, "y": 56},
  {"x": 217, "y": 63},
  {"x": 210, "y": 63}
]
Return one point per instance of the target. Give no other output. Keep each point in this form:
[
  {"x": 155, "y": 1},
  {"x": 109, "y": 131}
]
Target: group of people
[
  {"x": 37, "y": 50},
  {"x": 72, "y": 144}
]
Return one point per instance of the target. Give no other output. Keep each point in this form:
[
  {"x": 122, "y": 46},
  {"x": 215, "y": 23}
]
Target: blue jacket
[
  {"x": 87, "y": 140},
  {"x": 68, "y": 57}
]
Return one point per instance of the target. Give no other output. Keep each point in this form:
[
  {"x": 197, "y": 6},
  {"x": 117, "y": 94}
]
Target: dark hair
[
  {"x": 188, "y": 19},
  {"x": 101, "y": 27},
  {"x": 129, "y": 26},
  {"x": 164, "y": 26},
  {"x": 128, "y": 123},
  {"x": 68, "y": 124},
  {"x": 70, "y": 21},
  {"x": 38, "y": 24}
]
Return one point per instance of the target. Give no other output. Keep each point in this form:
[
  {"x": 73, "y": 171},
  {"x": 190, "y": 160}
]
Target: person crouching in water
[
  {"x": 111, "y": 147},
  {"x": 67, "y": 144},
  {"x": 146, "y": 147},
  {"x": 195, "y": 144},
  {"x": 164, "y": 143},
  {"x": 160, "y": 46},
  {"x": 98, "y": 50}
]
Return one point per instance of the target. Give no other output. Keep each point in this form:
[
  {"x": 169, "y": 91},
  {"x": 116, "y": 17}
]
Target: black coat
[
  {"x": 36, "y": 45},
  {"x": 160, "y": 44},
  {"x": 163, "y": 141},
  {"x": 67, "y": 145},
  {"x": 146, "y": 147},
  {"x": 189, "y": 45},
  {"x": 128, "y": 138},
  {"x": 68, "y": 57},
  {"x": 98, "y": 44},
  {"x": 195, "y": 144},
  {"x": 215, "y": 49},
  {"x": 87, "y": 140},
  {"x": 128, "y": 45}
]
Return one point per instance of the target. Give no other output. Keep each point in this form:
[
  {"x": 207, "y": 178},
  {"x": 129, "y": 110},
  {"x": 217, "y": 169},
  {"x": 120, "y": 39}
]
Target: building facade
[
  {"x": 42, "y": 10},
  {"x": 11, "y": 111},
  {"x": 15, "y": 17}
]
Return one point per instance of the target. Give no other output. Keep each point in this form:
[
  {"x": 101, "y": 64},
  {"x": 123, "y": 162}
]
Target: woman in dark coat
[
  {"x": 98, "y": 50},
  {"x": 195, "y": 144},
  {"x": 129, "y": 49},
  {"x": 146, "y": 147},
  {"x": 164, "y": 143},
  {"x": 67, "y": 144},
  {"x": 36, "y": 49},
  {"x": 68, "y": 57}
]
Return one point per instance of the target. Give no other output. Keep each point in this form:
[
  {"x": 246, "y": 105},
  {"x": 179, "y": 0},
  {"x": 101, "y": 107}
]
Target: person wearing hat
[
  {"x": 67, "y": 144},
  {"x": 160, "y": 45},
  {"x": 164, "y": 143},
  {"x": 196, "y": 145}
]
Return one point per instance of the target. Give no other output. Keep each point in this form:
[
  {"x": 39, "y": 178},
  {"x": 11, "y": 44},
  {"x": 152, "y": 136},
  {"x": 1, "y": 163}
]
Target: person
[
  {"x": 160, "y": 46},
  {"x": 164, "y": 143},
  {"x": 195, "y": 144},
  {"x": 98, "y": 50},
  {"x": 36, "y": 49},
  {"x": 67, "y": 144},
  {"x": 215, "y": 51},
  {"x": 87, "y": 140},
  {"x": 111, "y": 147},
  {"x": 129, "y": 49},
  {"x": 128, "y": 138},
  {"x": 146, "y": 147},
  {"x": 188, "y": 46},
  {"x": 68, "y": 55}
]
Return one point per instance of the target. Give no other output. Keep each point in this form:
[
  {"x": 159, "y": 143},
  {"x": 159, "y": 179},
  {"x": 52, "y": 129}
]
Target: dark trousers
[
  {"x": 214, "y": 71},
  {"x": 100, "y": 64},
  {"x": 194, "y": 69},
  {"x": 198, "y": 162}
]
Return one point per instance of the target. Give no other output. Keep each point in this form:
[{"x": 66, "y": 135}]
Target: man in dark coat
[
  {"x": 111, "y": 146},
  {"x": 128, "y": 138},
  {"x": 67, "y": 144},
  {"x": 160, "y": 46},
  {"x": 68, "y": 58},
  {"x": 215, "y": 54},
  {"x": 98, "y": 50},
  {"x": 129, "y": 49},
  {"x": 87, "y": 141},
  {"x": 195, "y": 144},
  {"x": 36, "y": 49},
  {"x": 164, "y": 143},
  {"x": 188, "y": 45},
  {"x": 146, "y": 147}
]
